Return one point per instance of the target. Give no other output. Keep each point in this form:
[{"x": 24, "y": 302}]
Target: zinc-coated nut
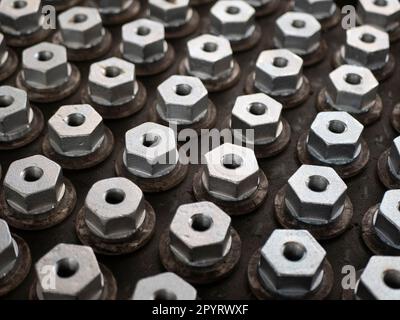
[
  {"x": 76, "y": 274},
  {"x": 381, "y": 13},
  {"x": 315, "y": 195},
  {"x": 291, "y": 263},
  {"x": 33, "y": 185},
  {"x": 320, "y": 9},
  {"x": 3, "y": 50},
  {"x": 394, "y": 158},
  {"x": 231, "y": 172},
  {"x": 200, "y": 234},
  {"x": 150, "y": 150},
  {"x": 380, "y": 279},
  {"x": 182, "y": 99},
  {"x": 335, "y": 138},
  {"x": 170, "y": 13},
  {"x": 76, "y": 130},
  {"x": 113, "y": 6},
  {"x": 8, "y": 249}
]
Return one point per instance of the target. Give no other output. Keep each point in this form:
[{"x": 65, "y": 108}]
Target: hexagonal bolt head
[
  {"x": 259, "y": 113},
  {"x": 351, "y": 88},
  {"x": 335, "y": 138},
  {"x": 366, "y": 46},
  {"x": 76, "y": 130},
  {"x": 112, "y": 82},
  {"x": 381, "y": 13},
  {"x": 45, "y": 65},
  {"x": 170, "y": 13},
  {"x": 113, "y": 6},
  {"x": 81, "y": 27},
  {"x": 143, "y": 41},
  {"x": 299, "y": 32},
  {"x": 278, "y": 72},
  {"x": 150, "y": 150},
  {"x": 164, "y": 286},
  {"x": 394, "y": 158},
  {"x": 182, "y": 100},
  {"x": 75, "y": 273},
  {"x": 200, "y": 234},
  {"x": 235, "y": 19},
  {"x": 3, "y": 50},
  {"x": 320, "y": 9},
  {"x": 380, "y": 280},
  {"x": 8, "y": 250},
  {"x": 33, "y": 185},
  {"x": 291, "y": 263},
  {"x": 315, "y": 195},
  {"x": 231, "y": 172}
]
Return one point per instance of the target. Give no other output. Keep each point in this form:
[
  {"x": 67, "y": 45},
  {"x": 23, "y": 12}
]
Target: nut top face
[
  {"x": 394, "y": 157},
  {"x": 380, "y": 279},
  {"x": 170, "y": 13},
  {"x": 320, "y": 9},
  {"x": 315, "y": 194},
  {"x": 231, "y": 172},
  {"x": 260, "y": 113},
  {"x": 75, "y": 271},
  {"x": 235, "y": 19},
  {"x": 200, "y": 234},
  {"x": 278, "y": 72},
  {"x": 335, "y": 137},
  {"x": 291, "y": 262},
  {"x": 76, "y": 130},
  {"x": 182, "y": 100},
  {"x": 164, "y": 286},
  {"x": 150, "y": 150},
  {"x": 81, "y": 27},
  {"x": 33, "y": 185},
  {"x": 8, "y": 249},
  {"x": 112, "y": 82},
  {"x": 299, "y": 32},
  {"x": 210, "y": 57},
  {"x": 352, "y": 89},
  {"x": 381, "y": 13}
]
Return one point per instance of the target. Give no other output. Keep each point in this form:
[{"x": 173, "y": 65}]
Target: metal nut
[
  {"x": 200, "y": 234},
  {"x": 291, "y": 263},
  {"x": 170, "y": 13},
  {"x": 113, "y": 6},
  {"x": 76, "y": 274},
  {"x": 76, "y": 130},
  {"x": 381, "y": 13},
  {"x": 394, "y": 158},
  {"x": 8, "y": 250},
  {"x": 33, "y": 185},
  {"x": 320, "y": 9},
  {"x": 315, "y": 195}
]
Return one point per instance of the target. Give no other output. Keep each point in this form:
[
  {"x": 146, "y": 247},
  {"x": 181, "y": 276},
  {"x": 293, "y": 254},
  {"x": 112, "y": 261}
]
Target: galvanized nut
[
  {"x": 76, "y": 274},
  {"x": 335, "y": 138},
  {"x": 394, "y": 158},
  {"x": 352, "y": 89},
  {"x": 182, "y": 100},
  {"x": 33, "y": 185},
  {"x": 8, "y": 250},
  {"x": 291, "y": 263},
  {"x": 380, "y": 280},
  {"x": 381, "y": 13},
  {"x": 76, "y": 130},
  {"x": 315, "y": 195},
  {"x": 164, "y": 286},
  {"x": 320, "y": 9},
  {"x": 200, "y": 234},
  {"x": 170, "y": 13},
  {"x": 150, "y": 150},
  {"x": 113, "y": 6},
  {"x": 231, "y": 172}
]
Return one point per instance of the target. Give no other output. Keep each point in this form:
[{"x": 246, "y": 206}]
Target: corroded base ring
[
  {"x": 384, "y": 174},
  {"x": 9, "y": 66},
  {"x": 182, "y": 31},
  {"x": 62, "y": 6},
  {"x": 196, "y": 3},
  {"x": 129, "y": 14},
  {"x": 395, "y": 118},
  {"x": 394, "y": 35},
  {"x": 267, "y": 9},
  {"x": 248, "y": 43},
  {"x": 24, "y": 41}
]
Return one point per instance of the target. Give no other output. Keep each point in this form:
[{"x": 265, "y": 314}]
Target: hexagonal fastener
[
  {"x": 170, "y": 13},
  {"x": 3, "y": 50},
  {"x": 81, "y": 27},
  {"x": 182, "y": 100},
  {"x": 394, "y": 158},
  {"x": 113, "y": 6},
  {"x": 235, "y": 19},
  {"x": 231, "y": 172},
  {"x": 291, "y": 263},
  {"x": 299, "y": 32},
  {"x": 150, "y": 150},
  {"x": 200, "y": 234},
  {"x": 381, "y": 13},
  {"x": 380, "y": 280},
  {"x": 352, "y": 88},
  {"x": 33, "y": 185},
  {"x": 315, "y": 195},
  {"x": 76, "y": 274},
  {"x": 278, "y": 72},
  {"x": 8, "y": 250},
  {"x": 320, "y": 9},
  {"x": 76, "y": 130},
  {"x": 335, "y": 138},
  {"x": 112, "y": 82},
  {"x": 45, "y": 65},
  {"x": 259, "y": 113}
]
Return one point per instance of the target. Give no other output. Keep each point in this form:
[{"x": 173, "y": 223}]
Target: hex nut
[
  {"x": 394, "y": 158},
  {"x": 3, "y": 50},
  {"x": 315, "y": 195},
  {"x": 76, "y": 274},
  {"x": 200, "y": 234},
  {"x": 8, "y": 250},
  {"x": 231, "y": 172},
  {"x": 33, "y": 185},
  {"x": 150, "y": 150},
  {"x": 113, "y": 6},
  {"x": 76, "y": 130},
  {"x": 170, "y": 13},
  {"x": 381, "y": 13},
  {"x": 320, "y": 9},
  {"x": 380, "y": 279},
  {"x": 291, "y": 263}
]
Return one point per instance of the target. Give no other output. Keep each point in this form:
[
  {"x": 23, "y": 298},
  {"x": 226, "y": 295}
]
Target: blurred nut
[
  {"x": 320, "y": 9},
  {"x": 3, "y": 50},
  {"x": 394, "y": 158},
  {"x": 170, "y": 13},
  {"x": 381, "y": 13},
  {"x": 8, "y": 250},
  {"x": 258, "y": 3},
  {"x": 113, "y": 6}
]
